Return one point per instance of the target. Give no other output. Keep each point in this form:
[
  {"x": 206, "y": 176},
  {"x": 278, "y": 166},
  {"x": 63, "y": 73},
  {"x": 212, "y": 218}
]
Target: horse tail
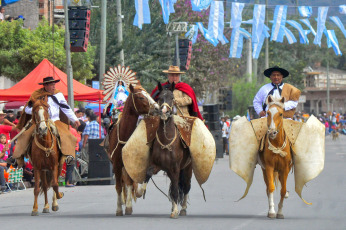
[
  {"x": 277, "y": 181},
  {"x": 46, "y": 180},
  {"x": 181, "y": 186}
]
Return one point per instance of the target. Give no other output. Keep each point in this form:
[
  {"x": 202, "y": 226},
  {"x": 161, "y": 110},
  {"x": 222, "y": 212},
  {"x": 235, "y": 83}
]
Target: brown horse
[
  {"x": 276, "y": 158},
  {"x": 168, "y": 154},
  {"x": 138, "y": 102},
  {"x": 45, "y": 156}
]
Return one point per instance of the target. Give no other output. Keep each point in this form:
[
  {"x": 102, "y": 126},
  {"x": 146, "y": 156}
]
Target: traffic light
[
  {"x": 185, "y": 52},
  {"x": 79, "y": 27}
]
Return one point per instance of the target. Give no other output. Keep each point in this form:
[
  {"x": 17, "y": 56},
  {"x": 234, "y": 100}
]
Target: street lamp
[{"x": 177, "y": 28}]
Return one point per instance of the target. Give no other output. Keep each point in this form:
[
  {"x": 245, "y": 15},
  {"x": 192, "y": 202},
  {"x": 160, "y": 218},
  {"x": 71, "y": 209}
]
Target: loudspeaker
[
  {"x": 78, "y": 13},
  {"x": 79, "y": 27},
  {"x": 213, "y": 125},
  {"x": 100, "y": 169},
  {"x": 211, "y": 116},
  {"x": 185, "y": 53},
  {"x": 79, "y": 40},
  {"x": 211, "y": 108},
  {"x": 217, "y": 134},
  {"x": 96, "y": 152}
]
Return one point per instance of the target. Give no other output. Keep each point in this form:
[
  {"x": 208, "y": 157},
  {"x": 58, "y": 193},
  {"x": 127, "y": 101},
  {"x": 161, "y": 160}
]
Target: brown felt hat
[{"x": 173, "y": 69}]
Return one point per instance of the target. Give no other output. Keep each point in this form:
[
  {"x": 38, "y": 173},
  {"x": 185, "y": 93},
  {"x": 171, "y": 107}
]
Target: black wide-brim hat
[
  {"x": 48, "y": 80},
  {"x": 269, "y": 71}
]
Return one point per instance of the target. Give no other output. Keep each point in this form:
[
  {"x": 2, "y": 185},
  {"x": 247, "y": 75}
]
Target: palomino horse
[
  {"x": 45, "y": 156},
  {"x": 137, "y": 103},
  {"x": 276, "y": 157},
  {"x": 168, "y": 154}
]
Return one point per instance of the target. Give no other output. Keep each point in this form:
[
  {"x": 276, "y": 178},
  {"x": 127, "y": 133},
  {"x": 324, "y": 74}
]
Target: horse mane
[{"x": 276, "y": 101}]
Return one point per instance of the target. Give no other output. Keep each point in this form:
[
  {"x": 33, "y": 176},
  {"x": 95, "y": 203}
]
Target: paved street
[{"x": 93, "y": 207}]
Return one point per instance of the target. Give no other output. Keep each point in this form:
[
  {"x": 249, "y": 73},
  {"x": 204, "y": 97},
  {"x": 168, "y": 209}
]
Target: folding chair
[{"x": 15, "y": 177}]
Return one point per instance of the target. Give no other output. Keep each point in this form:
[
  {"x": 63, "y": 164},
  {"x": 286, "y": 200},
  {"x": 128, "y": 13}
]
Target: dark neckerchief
[{"x": 271, "y": 92}]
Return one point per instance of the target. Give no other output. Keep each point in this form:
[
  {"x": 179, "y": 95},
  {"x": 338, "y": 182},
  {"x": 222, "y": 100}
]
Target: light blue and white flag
[
  {"x": 307, "y": 23},
  {"x": 342, "y": 9},
  {"x": 216, "y": 21},
  {"x": 256, "y": 47},
  {"x": 206, "y": 35},
  {"x": 333, "y": 41},
  {"x": 171, "y": 6},
  {"x": 199, "y": 5},
  {"x": 237, "y": 42},
  {"x": 165, "y": 10},
  {"x": 321, "y": 23},
  {"x": 236, "y": 14},
  {"x": 302, "y": 34},
  {"x": 338, "y": 22},
  {"x": 305, "y": 11},
  {"x": 278, "y": 29},
  {"x": 290, "y": 37},
  {"x": 192, "y": 33},
  {"x": 142, "y": 13},
  {"x": 259, "y": 14}
]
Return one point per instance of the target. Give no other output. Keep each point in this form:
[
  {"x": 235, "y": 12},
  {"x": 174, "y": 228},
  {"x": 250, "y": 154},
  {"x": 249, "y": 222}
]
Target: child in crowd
[{"x": 3, "y": 164}]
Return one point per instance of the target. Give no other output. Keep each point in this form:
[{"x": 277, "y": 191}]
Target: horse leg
[
  {"x": 185, "y": 185},
  {"x": 46, "y": 204},
  {"x": 36, "y": 192},
  {"x": 129, "y": 188},
  {"x": 174, "y": 192},
  {"x": 270, "y": 191},
  {"x": 283, "y": 178},
  {"x": 55, "y": 185},
  {"x": 118, "y": 188}
]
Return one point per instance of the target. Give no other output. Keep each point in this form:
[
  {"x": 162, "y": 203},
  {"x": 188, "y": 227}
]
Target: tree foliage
[{"x": 21, "y": 50}]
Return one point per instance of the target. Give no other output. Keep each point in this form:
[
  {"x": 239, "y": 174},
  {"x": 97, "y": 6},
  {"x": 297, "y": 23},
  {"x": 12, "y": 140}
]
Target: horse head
[
  {"x": 141, "y": 99},
  {"x": 40, "y": 115},
  {"x": 275, "y": 115},
  {"x": 166, "y": 99}
]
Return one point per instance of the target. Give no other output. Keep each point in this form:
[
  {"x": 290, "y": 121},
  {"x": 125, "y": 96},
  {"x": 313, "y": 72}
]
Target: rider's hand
[
  {"x": 262, "y": 114},
  {"x": 76, "y": 124}
]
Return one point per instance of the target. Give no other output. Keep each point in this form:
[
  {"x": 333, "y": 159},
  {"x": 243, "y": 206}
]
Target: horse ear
[
  {"x": 159, "y": 86},
  {"x": 282, "y": 100},
  {"x": 132, "y": 89},
  {"x": 172, "y": 87},
  {"x": 269, "y": 99}
]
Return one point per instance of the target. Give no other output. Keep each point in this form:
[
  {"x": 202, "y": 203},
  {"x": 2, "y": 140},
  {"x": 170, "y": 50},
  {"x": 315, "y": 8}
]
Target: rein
[
  {"x": 168, "y": 146},
  {"x": 276, "y": 149},
  {"x": 49, "y": 150},
  {"x": 119, "y": 141}
]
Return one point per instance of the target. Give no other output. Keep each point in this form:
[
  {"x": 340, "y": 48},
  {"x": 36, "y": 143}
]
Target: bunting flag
[
  {"x": 199, "y": 5},
  {"x": 278, "y": 30},
  {"x": 256, "y": 47},
  {"x": 216, "y": 21},
  {"x": 338, "y": 22},
  {"x": 259, "y": 14},
  {"x": 192, "y": 33},
  {"x": 165, "y": 10},
  {"x": 305, "y": 11},
  {"x": 321, "y": 24},
  {"x": 333, "y": 41},
  {"x": 171, "y": 6},
  {"x": 236, "y": 14},
  {"x": 307, "y": 23},
  {"x": 290, "y": 37},
  {"x": 237, "y": 42},
  {"x": 342, "y": 9},
  {"x": 142, "y": 13},
  {"x": 302, "y": 33},
  {"x": 206, "y": 35}
]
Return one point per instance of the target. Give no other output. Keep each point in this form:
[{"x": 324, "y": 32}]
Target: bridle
[{"x": 146, "y": 96}]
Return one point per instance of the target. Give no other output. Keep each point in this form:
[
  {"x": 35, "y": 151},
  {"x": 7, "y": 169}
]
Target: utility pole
[
  {"x": 249, "y": 59},
  {"x": 267, "y": 42},
  {"x": 102, "y": 69},
  {"x": 120, "y": 31},
  {"x": 177, "y": 58},
  {"x": 328, "y": 83},
  {"x": 69, "y": 71}
]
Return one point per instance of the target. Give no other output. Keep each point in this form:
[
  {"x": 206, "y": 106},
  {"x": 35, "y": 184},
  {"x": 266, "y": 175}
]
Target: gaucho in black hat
[
  {"x": 277, "y": 89},
  {"x": 59, "y": 112}
]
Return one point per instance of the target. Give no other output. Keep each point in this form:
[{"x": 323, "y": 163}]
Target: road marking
[{"x": 340, "y": 153}]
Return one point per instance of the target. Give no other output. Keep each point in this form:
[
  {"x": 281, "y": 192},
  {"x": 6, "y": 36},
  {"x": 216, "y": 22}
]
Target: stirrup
[{"x": 69, "y": 160}]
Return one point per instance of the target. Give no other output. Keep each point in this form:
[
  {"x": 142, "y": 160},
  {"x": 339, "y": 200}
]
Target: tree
[{"x": 21, "y": 50}]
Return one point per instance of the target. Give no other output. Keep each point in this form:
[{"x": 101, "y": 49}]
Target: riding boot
[{"x": 69, "y": 160}]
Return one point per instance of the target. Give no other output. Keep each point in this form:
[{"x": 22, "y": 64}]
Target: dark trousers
[
  {"x": 2, "y": 176},
  {"x": 69, "y": 171},
  {"x": 225, "y": 144}
]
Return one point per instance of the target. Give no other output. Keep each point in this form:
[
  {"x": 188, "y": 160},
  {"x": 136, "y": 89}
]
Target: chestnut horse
[
  {"x": 138, "y": 102},
  {"x": 276, "y": 158},
  {"x": 168, "y": 154},
  {"x": 45, "y": 156}
]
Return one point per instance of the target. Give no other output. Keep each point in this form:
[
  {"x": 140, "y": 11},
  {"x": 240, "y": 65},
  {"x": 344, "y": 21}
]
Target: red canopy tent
[{"x": 23, "y": 89}]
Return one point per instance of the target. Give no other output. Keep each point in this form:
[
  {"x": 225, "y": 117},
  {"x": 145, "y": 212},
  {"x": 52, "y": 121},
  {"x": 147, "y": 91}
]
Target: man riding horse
[
  {"x": 277, "y": 89},
  {"x": 184, "y": 96},
  {"x": 57, "y": 103}
]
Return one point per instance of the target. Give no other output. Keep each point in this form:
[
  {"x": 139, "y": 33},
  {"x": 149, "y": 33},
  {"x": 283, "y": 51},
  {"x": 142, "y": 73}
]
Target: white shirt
[
  {"x": 262, "y": 94},
  {"x": 54, "y": 108},
  {"x": 2, "y": 17}
]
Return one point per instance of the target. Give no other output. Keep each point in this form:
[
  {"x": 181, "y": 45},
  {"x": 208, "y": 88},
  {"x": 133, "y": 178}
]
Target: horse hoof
[
  {"x": 45, "y": 210},
  {"x": 34, "y": 213},
  {"x": 280, "y": 216},
  {"x": 174, "y": 215},
  {"x": 61, "y": 195},
  {"x": 119, "y": 213},
  {"x": 271, "y": 215},
  {"x": 128, "y": 211},
  {"x": 182, "y": 212},
  {"x": 287, "y": 194},
  {"x": 55, "y": 208}
]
